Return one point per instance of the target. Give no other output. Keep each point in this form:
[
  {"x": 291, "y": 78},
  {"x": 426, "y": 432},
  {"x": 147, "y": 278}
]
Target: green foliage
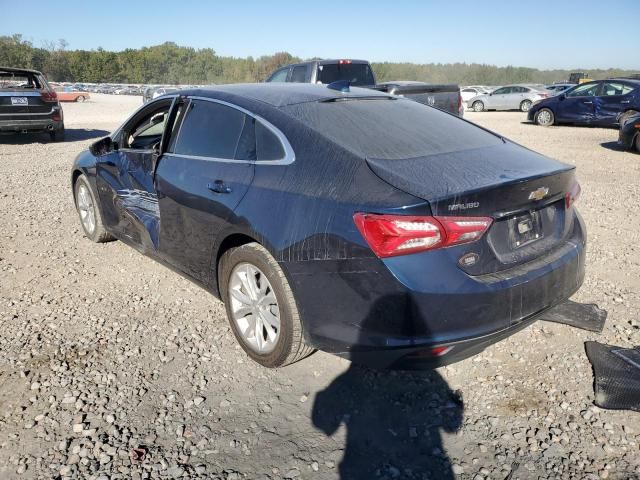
[{"x": 172, "y": 64}]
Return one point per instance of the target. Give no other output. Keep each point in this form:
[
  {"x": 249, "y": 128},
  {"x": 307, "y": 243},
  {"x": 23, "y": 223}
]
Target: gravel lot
[{"x": 113, "y": 367}]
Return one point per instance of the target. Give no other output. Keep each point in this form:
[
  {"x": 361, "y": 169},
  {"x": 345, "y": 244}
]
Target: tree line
[{"x": 170, "y": 63}]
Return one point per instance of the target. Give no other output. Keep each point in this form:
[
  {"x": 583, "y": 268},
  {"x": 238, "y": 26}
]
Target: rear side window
[
  {"x": 210, "y": 130},
  {"x": 299, "y": 74},
  {"x": 614, "y": 88},
  {"x": 356, "y": 73}
]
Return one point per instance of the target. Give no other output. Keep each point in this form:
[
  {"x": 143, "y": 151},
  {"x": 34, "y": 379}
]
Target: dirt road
[{"x": 113, "y": 367}]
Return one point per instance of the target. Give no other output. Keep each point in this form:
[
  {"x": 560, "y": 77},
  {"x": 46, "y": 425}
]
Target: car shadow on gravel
[
  {"x": 70, "y": 134},
  {"x": 393, "y": 420}
]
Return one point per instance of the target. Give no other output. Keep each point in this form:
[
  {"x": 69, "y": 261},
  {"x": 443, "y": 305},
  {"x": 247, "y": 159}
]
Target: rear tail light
[
  {"x": 431, "y": 352},
  {"x": 459, "y": 102},
  {"x": 49, "y": 96},
  {"x": 392, "y": 235},
  {"x": 572, "y": 195}
]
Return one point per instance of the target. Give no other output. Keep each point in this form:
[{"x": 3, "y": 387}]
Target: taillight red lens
[
  {"x": 572, "y": 195},
  {"x": 392, "y": 235},
  {"x": 49, "y": 96}
]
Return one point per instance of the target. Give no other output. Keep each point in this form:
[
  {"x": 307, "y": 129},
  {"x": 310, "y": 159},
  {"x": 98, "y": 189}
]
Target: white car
[
  {"x": 509, "y": 97},
  {"x": 468, "y": 93}
]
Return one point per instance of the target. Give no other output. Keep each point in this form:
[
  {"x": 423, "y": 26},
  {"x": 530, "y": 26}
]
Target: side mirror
[
  {"x": 102, "y": 147},
  {"x": 562, "y": 96}
]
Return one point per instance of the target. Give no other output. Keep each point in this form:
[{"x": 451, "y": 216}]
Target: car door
[
  {"x": 496, "y": 100},
  {"x": 124, "y": 178},
  {"x": 202, "y": 177},
  {"x": 511, "y": 100},
  {"x": 613, "y": 99},
  {"x": 577, "y": 106}
]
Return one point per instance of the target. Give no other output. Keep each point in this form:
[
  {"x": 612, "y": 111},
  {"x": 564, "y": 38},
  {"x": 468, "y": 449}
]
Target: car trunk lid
[{"x": 524, "y": 192}]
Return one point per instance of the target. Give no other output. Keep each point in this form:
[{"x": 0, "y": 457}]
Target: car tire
[
  {"x": 262, "y": 292},
  {"x": 525, "y": 105},
  {"x": 545, "y": 117},
  {"x": 81, "y": 98},
  {"x": 637, "y": 143},
  {"x": 57, "y": 135},
  {"x": 478, "y": 106},
  {"x": 89, "y": 213},
  {"x": 626, "y": 116}
]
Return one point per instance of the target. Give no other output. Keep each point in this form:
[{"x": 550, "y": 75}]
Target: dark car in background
[
  {"x": 604, "y": 103},
  {"x": 29, "y": 104},
  {"x": 358, "y": 73},
  {"x": 629, "y": 136},
  {"x": 355, "y": 222}
]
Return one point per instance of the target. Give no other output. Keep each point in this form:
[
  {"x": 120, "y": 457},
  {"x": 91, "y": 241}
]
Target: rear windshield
[
  {"x": 391, "y": 129},
  {"x": 19, "y": 80},
  {"x": 357, "y": 73}
]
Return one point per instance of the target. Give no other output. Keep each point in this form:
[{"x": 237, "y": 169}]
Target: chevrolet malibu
[{"x": 345, "y": 220}]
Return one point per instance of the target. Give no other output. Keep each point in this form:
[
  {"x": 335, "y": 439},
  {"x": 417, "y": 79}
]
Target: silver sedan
[{"x": 510, "y": 97}]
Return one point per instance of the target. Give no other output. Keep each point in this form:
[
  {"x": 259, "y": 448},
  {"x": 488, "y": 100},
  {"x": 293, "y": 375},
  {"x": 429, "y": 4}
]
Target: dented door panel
[{"x": 129, "y": 201}]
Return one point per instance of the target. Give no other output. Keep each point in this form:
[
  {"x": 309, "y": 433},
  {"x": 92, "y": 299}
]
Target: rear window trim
[{"x": 289, "y": 154}]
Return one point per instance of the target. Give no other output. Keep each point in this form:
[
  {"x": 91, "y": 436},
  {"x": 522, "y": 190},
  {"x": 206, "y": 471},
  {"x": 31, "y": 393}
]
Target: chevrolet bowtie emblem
[{"x": 539, "y": 194}]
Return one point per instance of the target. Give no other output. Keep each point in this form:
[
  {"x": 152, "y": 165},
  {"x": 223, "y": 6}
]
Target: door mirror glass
[{"x": 102, "y": 147}]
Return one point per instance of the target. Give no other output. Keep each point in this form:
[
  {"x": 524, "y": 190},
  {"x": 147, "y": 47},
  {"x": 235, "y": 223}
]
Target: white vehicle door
[{"x": 496, "y": 100}]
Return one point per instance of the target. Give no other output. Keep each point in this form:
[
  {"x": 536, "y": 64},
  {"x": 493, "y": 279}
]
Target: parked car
[
  {"x": 509, "y": 97},
  {"x": 359, "y": 73},
  {"x": 29, "y": 104},
  {"x": 604, "y": 103},
  {"x": 66, "y": 94},
  {"x": 466, "y": 93},
  {"x": 162, "y": 91},
  {"x": 629, "y": 136},
  {"x": 355, "y": 222},
  {"x": 557, "y": 88}
]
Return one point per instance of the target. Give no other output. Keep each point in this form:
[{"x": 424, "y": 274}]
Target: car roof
[
  {"x": 281, "y": 94},
  {"x": 19, "y": 70}
]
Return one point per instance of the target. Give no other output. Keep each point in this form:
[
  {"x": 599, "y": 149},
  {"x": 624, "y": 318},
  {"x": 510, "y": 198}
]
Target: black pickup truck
[{"x": 360, "y": 74}]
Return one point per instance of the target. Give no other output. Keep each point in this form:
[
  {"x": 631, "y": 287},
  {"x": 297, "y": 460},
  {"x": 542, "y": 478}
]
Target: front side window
[
  {"x": 146, "y": 132},
  {"x": 586, "y": 90},
  {"x": 614, "y": 88}
]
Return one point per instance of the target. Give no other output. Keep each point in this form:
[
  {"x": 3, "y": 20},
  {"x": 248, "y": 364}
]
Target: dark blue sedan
[
  {"x": 604, "y": 103},
  {"x": 354, "y": 222}
]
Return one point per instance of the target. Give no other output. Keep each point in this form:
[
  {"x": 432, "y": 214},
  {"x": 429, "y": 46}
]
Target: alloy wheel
[
  {"x": 544, "y": 117},
  {"x": 86, "y": 209},
  {"x": 254, "y": 308}
]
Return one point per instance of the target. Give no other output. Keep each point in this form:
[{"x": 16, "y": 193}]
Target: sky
[{"x": 542, "y": 34}]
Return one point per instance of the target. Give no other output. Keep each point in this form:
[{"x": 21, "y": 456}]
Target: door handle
[
  {"x": 587, "y": 102},
  {"x": 219, "y": 187},
  {"x": 625, "y": 101}
]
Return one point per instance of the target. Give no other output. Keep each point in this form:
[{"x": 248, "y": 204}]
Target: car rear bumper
[
  {"x": 30, "y": 125},
  {"x": 396, "y": 315}
]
